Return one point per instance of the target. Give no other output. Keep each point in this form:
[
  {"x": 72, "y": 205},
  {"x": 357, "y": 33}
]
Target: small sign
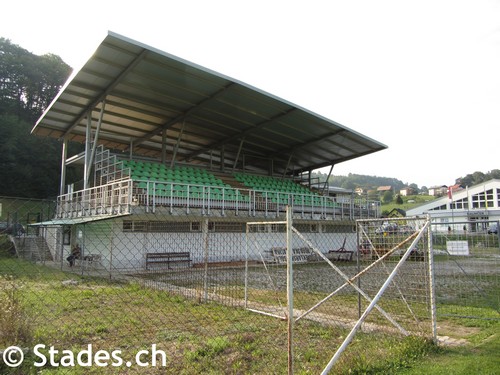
[{"x": 457, "y": 247}]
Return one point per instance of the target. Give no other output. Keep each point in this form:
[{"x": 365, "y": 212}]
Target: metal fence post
[
  {"x": 431, "y": 281},
  {"x": 289, "y": 285},
  {"x": 205, "y": 256}
]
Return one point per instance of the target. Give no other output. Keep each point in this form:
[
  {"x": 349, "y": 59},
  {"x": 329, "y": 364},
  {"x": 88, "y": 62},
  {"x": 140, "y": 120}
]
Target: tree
[
  {"x": 399, "y": 200},
  {"x": 415, "y": 188},
  {"x": 478, "y": 177},
  {"x": 28, "y": 82},
  {"x": 29, "y": 165},
  {"x": 495, "y": 173},
  {"x": 388, "y": 196}
]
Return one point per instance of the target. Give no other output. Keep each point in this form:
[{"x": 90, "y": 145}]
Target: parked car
[
  {"x": 387, "y": 228},
  {"x": 493, "y": 228},
  {"x": 406, "y": 229}
]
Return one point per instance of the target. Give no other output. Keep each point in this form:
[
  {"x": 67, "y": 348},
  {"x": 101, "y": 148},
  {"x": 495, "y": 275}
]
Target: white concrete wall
[{"x": 127, "y": 250}]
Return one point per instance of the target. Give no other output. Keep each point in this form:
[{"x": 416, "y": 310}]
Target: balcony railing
[
  {"x": 118, "y": 198},
  {"x": 111, "y": 199},
  {"x": 218, "y": 200}
]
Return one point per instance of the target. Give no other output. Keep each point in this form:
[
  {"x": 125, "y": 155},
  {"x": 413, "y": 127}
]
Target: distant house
[
  {"x": 438, "y": 191},
  {"x": 407, "y": 191},
  {"x": 383, "y": 189},
  {"x": 359, "y": 191},
  {"x": 397, "y": 212},
  {"x": 454, "y": 188}
]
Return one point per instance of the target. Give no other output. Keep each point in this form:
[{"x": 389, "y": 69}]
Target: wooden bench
[{"x": 160, "y": 259}]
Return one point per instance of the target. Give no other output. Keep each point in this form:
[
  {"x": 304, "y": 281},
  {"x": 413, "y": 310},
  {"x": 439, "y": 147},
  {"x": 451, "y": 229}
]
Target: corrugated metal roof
[{"x": 147, "y": 91}]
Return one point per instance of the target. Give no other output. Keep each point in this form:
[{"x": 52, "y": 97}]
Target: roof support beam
[
  {"x": 242, "y": 134},
  {"x": 63, "y": 166},
  {"x": 327, "y": 178},
  {"x": 108, "y": 89},
  {"x": 164, "y": 146},
  {"x": 172, "y": 163},
  {"x": 88, "y": 136},
  {"x": 182, "y": 116},
  {"x": 222, "y": 158},
  {"x": 238, "y": 153},
  {"x": 94, "y": 141},
  {"x": 306, "y": 144},
  {"x": 287, "y": 164}
]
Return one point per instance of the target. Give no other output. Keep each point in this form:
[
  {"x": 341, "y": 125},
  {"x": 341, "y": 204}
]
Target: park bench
[{"x": 167, "y": 259}]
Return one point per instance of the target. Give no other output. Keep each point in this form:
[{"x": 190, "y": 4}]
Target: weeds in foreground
[
  {"x": 14, "y": 321},
  {"x": 208, "y": 338}
]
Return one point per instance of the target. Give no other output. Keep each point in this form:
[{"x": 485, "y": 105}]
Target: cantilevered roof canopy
[{"x": 206, "y": 115}]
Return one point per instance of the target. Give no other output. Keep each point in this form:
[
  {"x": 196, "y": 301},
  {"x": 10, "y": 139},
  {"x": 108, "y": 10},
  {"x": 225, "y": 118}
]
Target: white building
[
  {"x": 437, "y": 191},
  {"x": 479, "y": 205}
]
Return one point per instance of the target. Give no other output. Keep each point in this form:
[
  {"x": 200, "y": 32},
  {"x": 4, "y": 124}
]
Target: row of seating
[
  {"x": 190, "y": 182},
  {"x": 280, "y": 190},
  {"x": 159, "y": 172},
  {"x": 270, "y": 184}
]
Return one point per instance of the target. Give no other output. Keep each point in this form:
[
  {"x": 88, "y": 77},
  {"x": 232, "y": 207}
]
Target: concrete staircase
[{"x": 32, "y": 248}]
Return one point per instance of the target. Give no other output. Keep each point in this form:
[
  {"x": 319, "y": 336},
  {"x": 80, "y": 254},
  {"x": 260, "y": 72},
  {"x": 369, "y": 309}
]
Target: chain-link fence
[
  {"x": 191, "y": 294},
  {"x": 467, "y": 264}
]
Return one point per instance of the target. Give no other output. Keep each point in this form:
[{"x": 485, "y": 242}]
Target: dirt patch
[{"x": 450, "y": 334}]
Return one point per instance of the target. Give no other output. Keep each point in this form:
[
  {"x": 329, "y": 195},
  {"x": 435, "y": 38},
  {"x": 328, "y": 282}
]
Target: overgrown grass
[
  {"x": 197, "y": 337},
  {"x": 14, "y": 321}
]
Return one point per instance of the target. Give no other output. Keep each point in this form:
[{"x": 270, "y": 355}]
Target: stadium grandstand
[{"x": 165, "y": 136}]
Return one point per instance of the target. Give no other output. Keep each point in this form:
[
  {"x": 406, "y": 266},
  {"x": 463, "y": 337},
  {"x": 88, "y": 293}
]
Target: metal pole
[
  {"x": 62, "y": 245},
  {"x": 87, "y": 150},
  {"x": 358, "y": 263},
  {"x": 113, "y": 227},
  {"x": 164, "y": 146},
  {"x": 238, "y": 154},
  {"x": 176, "y": 147},
  {"x": 246, "y": 267},
  {"x": 430, "y": 254},
  {"x": 289, "y": 286},
  {"x": 63, "y": 166},
  {"x": 96, "y": 138},
  {"x": 205, "y": 245}
]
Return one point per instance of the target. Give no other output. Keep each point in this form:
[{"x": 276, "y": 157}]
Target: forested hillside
[
  {"x": 352, "y": 181},
  {"x": 29, "y": 166}
]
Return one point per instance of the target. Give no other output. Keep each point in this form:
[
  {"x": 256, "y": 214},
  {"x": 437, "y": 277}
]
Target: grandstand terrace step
[
  {"x": 229, "y": 179},
  {"x": 151, "y": 171}
]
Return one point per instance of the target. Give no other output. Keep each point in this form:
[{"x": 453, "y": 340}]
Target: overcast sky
[{"x": 422, "y": 77}]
